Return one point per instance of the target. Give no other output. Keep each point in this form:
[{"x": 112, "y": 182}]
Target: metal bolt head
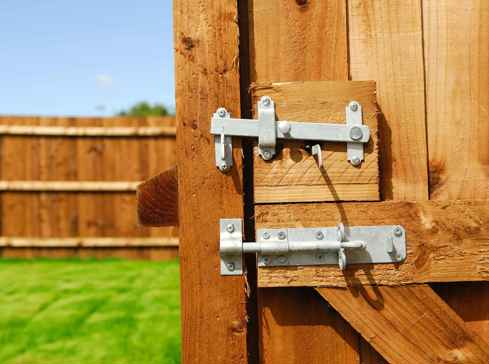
[
  {"x": 266, "y": 260},
  {"x": 319, "y": 235},
  {"x": 282, "y": 259},
  {"x": 398, "y": 231},
  {"x": 320, "y": 256},
  {"x": 266, "y": 235},
  {"x": 231, "y": 267},
  {"x": 355, "y": 161},
  {"x": 354, "y": 106},
  {"x": 356, "y": 133},
  {"x": 267, "y": 155},
  {"x": 222, "y": 112},
  {"x": 266, "y": 101},
  {"x": 284, "y": 127},
  {"x": 282, "y": 235},
  {"x": 230, "y": 228},
  {"x": 223, "y": 167}
]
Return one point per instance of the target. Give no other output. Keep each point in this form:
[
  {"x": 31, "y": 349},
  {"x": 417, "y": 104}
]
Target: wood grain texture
[
  {"x": 470, "y": 301},
  {"x": 386, "y": 45},
  {"x": 298, "y": 40},
  {"x": 293, "y": 175},
  {"x": 157, "y": 200},
  {"x": 456, "y": 39},
  {"x": 214, "y": 318},
  {"x": 457, "y": 87},
  {"x": 72, "y": 186},
  {"x": 409, "y": 324},
  {"x": 35, "y": 198},
  {"x": 447, "y": 241},
  {"x": 295, "y": 335}
]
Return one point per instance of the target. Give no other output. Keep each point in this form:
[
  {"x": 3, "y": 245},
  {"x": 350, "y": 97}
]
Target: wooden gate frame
[{"x": 416, "y": 325}]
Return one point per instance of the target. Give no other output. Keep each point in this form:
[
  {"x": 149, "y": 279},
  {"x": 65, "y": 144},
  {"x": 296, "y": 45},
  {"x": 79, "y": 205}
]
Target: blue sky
[{"x": 87, "y": 57}]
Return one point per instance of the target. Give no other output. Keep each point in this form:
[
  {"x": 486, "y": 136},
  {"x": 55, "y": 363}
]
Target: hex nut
[
  {"x": 230, "y": 228},
  {"x": 231, "y": 267},
  {"x": 398, "y": 231},
  {"x": 353, "y": 106},
  {"x": 356, "y": 133},
  {"x": 266, "y": 235},
  {"x": 319, "y": 235},
  {"x": 282, "y": 235}
]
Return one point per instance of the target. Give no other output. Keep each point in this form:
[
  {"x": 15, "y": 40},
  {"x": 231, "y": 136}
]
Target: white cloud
[{"x": 103, "y": 80}]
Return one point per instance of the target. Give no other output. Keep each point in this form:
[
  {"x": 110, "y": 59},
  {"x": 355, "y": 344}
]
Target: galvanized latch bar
[
  {"x": 268, "y": 130},
  {"x": 312, "y": 246}
]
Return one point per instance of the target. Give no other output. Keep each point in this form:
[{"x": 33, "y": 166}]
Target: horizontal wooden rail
[
  {"x": 107, "y": 242},
  {"x": 446, "y": 242},
  {"x": 94, "y": 131},
  {"x": 69, "y": 186}
]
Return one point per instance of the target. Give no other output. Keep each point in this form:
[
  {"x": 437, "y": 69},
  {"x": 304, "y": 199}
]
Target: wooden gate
[
  {"x": 68, "y": 186},
  {"x": 420, "y": 70}
]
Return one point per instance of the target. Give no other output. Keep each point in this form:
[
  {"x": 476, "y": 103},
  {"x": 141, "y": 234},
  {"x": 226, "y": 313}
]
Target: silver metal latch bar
[
  {"x": 312, "y": 246},
  {"x": 268, "y": 130}
]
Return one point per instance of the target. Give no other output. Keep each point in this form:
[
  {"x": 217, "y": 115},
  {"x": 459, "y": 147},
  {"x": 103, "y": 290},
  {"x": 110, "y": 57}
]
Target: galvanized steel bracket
[
  {"x": 337, "y": 245},
  {"x": 268, "y": 130}
]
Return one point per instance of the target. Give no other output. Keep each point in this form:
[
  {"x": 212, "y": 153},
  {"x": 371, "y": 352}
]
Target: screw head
[
  {"x": 355, "y": 161},
  {"x": 266, "y": 260},
  {"x": 282, "y": 235},
  {"x": 284, "y": 127},
  {"x": 221, "y": 112},
  {"x": 266, "y": 235},
  {"x": 356, "y": 133},
  {"x": 320, "y": 256},
  {"x": 266, "y": 101},
  {"x": 398, "y": 231},
  {"x": 267, "y": 155},
  {"x": 282, "y": 259},
  {"x": 231, "y": 267},
  {"x": 353, "y": 106},
  {"x": 319, "y": 235},
  {"x": 230, "y": 228},
  {"x": 223, "y": 167}
]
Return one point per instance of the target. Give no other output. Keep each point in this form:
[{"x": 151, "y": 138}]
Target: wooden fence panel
[{"x": 76, "y": 177}]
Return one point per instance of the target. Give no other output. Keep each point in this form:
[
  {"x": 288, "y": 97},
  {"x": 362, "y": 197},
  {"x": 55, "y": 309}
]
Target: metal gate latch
[
  {"x": 268, "y": 130},
  {"x": 311, "y": 246}
]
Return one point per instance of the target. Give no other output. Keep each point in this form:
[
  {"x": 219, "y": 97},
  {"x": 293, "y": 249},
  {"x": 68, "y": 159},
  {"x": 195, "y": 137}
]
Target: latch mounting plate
[
  {"x": 338, "y": 245},
  {"x": 267, "y": 129}
]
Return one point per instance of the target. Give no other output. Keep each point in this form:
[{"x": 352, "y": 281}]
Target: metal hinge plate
[
  {"x": 312, "y": 246},
  {"x": 267, "y": 129}
]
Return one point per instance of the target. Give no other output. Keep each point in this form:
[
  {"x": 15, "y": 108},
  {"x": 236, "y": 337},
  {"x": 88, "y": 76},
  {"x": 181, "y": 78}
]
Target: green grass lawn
[{"x": 89, "y": 312}]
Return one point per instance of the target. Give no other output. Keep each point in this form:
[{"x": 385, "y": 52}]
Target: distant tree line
[{"x": 144, "y": 108}]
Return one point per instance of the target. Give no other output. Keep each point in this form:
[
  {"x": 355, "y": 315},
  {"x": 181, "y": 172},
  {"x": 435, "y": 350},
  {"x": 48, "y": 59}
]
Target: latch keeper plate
[{"x": 311, "y": 246}]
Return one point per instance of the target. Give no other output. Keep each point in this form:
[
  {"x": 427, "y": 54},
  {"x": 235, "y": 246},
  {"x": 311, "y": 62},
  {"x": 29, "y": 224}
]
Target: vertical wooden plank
[
  {"x": 456, "y": 37},
  {"x": 386, "y": 45},
  {"x": 297, "y": 326},
  {"x": 207, "y": 76},
  {"x": 300, "y": 41}
]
